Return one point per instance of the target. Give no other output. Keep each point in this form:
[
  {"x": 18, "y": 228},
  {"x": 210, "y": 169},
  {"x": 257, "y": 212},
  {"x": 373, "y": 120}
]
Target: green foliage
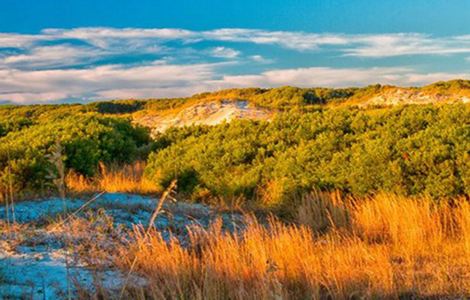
[
  {"x": 292, "y": 97},
  {"x": 282, "y": 98},
  {"x": 86, "y": 139},
  {"x": 16, "y": 118},
  {"x": 285, "y": 97},
  {"x": 448, "y": 86},
  {"x": 131, "y": 106},
  {"x": 407, "y": 150},
  {"x": 115, "y": 107}
]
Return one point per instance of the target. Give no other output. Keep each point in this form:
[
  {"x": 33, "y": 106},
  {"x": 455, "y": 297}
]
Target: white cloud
[
  {"x": 387, "y": 45},
  {"x": 54, "y": 56},
  {"x": 224, "y": 52},
  {"x": 160, "y": 79},
  {"x": 13, "y": 40},
  {"x": 26, "y": 97},
  {"x": 361, "y": 45},
  {"x": 107, "y": 32},
  {"x": 421, "y": 78},
  {"x": 292, "y": 40},
  {"x": 49, "y": 85},
  {"x": 58, "y": 64},
  {"x": 104, "y": 37},
  {"x": 320, "y": 76},
  {"x": 337, "y": 77},
  {"x": 261, "y": 59}
]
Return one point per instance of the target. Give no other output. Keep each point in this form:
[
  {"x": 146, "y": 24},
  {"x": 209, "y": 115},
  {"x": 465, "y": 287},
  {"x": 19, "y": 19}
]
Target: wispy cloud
[
  {"x": 13, "y": 40},
  {"x": 164, "y": 80},
  {"x": 261, "y": 59},
  {"x": 54, "y": 56},
  {"x": 321, "y": 76},
  {"x": 291, "y": 40},
  {"x": 338, "y": 77},
  {"x": 406, "y": 44},
  {"x": 105, "y": 37},
  {"x": 224, "y": 52},
  {"x": 363, "y": 45}
]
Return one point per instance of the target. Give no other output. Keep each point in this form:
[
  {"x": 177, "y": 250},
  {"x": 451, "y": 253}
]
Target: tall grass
[
  {"x": 385, "y": 246},
  {"x": 126, "y": 179},
  {"x": 7, "y": 196}
]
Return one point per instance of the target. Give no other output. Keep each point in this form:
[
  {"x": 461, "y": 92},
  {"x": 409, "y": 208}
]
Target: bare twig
[
  {"x": 57, "y": 159},
  {"x": 151, "y": 225},
  {"x": 7, "y": 211},
  {"x": 10, "y": 189},
  {"x": 157, "y": 210},
  {"x": 78, "y": 210}
]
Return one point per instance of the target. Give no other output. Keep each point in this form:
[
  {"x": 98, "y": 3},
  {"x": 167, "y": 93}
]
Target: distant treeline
[{"x": 282, "y": 98}]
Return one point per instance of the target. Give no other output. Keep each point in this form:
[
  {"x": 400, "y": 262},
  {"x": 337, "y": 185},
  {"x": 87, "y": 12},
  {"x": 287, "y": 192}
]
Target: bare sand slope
[{"x": 204, "y": 113}]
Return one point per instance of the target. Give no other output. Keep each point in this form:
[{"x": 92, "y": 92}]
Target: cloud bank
[{"x": 108, "y": 63}]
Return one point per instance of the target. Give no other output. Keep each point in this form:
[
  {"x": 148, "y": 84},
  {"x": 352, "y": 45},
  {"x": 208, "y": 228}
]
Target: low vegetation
[
  {"x": 404, "y": 150},
  {"x": 341, "y": 201}
]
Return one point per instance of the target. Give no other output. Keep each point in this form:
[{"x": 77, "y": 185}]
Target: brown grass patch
[
  {"x": 124, "y": 179},
  {"x": 381, "y": 247}
]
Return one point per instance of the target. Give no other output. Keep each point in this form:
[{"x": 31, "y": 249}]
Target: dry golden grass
[
  {"x": 125, "y": 179},
  {"x": 382, "y": 247}
]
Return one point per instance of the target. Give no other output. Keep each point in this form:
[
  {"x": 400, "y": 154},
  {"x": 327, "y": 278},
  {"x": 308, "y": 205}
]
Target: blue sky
[{"x": 90, "y": 50}]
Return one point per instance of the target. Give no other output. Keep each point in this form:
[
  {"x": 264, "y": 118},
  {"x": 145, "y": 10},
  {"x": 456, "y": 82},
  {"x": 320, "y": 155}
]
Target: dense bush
[
  {"x": 292, "y": 97},
  {"x": 86, "y": 140},
  {"x": 408, "y": 150},
  {"x": 115, "y": 107},
  {"x": 131, "y": 106}
]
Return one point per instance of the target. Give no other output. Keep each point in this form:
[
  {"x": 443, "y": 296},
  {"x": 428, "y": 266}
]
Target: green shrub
[
  {"x": 86, "y": 140},
  {"x": 406, "y": 150}
]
